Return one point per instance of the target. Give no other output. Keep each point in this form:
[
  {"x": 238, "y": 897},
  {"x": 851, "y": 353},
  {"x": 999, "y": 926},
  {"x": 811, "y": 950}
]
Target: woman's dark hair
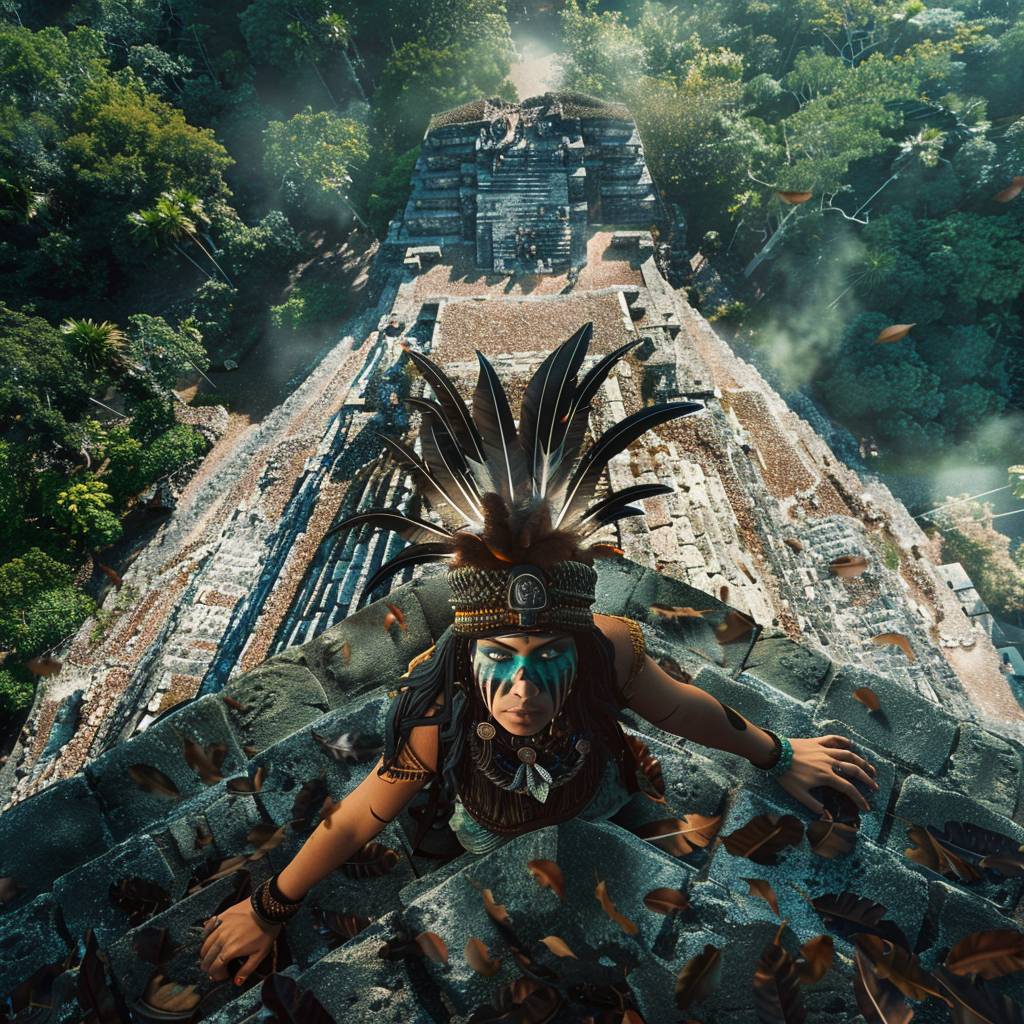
[{"x": 590, "y": 705}]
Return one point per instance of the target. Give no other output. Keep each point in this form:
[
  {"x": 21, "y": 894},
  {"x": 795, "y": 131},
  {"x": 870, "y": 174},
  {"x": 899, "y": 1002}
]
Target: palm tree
[
  {"x": 100, "y": 346},
  {"x": 194, "y": 212},
  {"x": 172, "y": 217},
  {"x": 151, "y": 226}
]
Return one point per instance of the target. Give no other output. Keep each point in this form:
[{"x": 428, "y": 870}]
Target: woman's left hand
[{"x": 827, "y": 761}]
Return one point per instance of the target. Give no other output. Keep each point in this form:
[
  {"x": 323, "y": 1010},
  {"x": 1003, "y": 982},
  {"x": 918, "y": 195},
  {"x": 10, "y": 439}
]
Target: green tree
[
  {"x": 168, "y": 353},
  {"x": 83, "y": 511},
  {"x": 39, "y": 606},
  {"x": 312, "y": 158}
]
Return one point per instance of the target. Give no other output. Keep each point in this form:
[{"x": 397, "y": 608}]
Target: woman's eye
[
  {"x": 495, "y": 655},
  {"x": 548, "y": 655}
]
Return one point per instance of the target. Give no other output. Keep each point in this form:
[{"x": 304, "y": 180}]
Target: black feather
[
  {"x": 448, "y": 467},
  {"x": 547, "y": 403},
  {"x": 608, "y": 445},
  {"x": 415, "y": 554},
  {"x": 429, "y": 486},
  {"x": 455, "y": 412},
  {"x": 493, "y": 417},
  {"x": 409, "y": 528},
  {"x": 615, "y": 499}
]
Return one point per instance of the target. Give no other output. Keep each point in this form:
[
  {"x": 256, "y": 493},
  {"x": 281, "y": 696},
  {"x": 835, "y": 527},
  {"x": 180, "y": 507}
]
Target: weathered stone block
[
  {"x": 986, "y": 767},
  {"x": 30, "y": 938},
  {"x": 788, "y": 666},
  {"x": 761, "y": 704},
  {"x": 374, "y": 654},
  {"x": 279, "y": 697},
  {"x": 922, "y": 802},
  {"x": 128, "y": 806},
  {"x": 354, "y": 984},
  {"x": 229, "y": 819},
  {"x": 184, "y": 924},
  {"x": 84, "y": 894},
  {"x": 48, "y": 834},
  {"x": 908, "y": 728},
  {"x": 869, "y": 870},
  {"x": 299, "y": 759}
]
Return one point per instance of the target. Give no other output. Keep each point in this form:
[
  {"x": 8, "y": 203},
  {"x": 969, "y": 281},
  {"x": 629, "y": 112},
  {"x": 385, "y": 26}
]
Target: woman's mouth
[{"x": 524, "y": 713}]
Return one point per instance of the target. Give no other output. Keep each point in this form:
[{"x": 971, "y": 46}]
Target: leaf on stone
[
  {"x": 479, "y": 958},
  {"x": 764, "y": 836},
  {"x": 152, "y": 780},
  {"x": 897, "y": 640},
  {"x": 395, "y": 614},
  {"x": 549, "y": 875},
  {"x": 265, "y": 837},
  {"x": 652, "y": 782},
  {"x": 990, "y": 953},
  {"x": 932, "y": 852},
  {"x": 794, "y": 198},
  {"x": 894, "y": 332},
  {"x": 761, "y": 888},
  {"x": 667, "y": 901},
  {"x": 847, "y": 913},
  {"x": 217, "y": 867},
  {"x": 601, "y": 892},
  {"x": 43, "y": 666},
  {"x": 371, "y": 861},
  {"x": 557, "y": 946},
  {"x": 346, "y": 651},
  {"x": 848, "y": 566},
  {"x": 793, "y": 543},
  {"x": 699, "y": 977},
  {"x": 349, "y": 747},
  {"x": 139, "y": 898},
  {"x": 496, "y": 911},
  {"x": 877, "y": 999},
  {"x": 747, "y": 572},
  {"x": 526, "y": 1000},
  {"x": 816, "y": 957},
  {"x": 250, "y": 751},
  {"x": 235, "y": 705},
  {"x": 202, "y": 838},
  {"x": 251, "y": 783},
  {"x": 433, "y": 947},
  {"x": 163, "y": 996},
  {"x": 338, "y": 927},
  {"x": 308, "y": 802},
  {"x": 9, "y": 889},
  {"x": 975, "y": 1001},
  {"x": 205, "y": 761},
  {"x": 723, "y": 593},
  {"x": 831, "y": 839},
  {"x": 1008, "y": 194},
  {"x": 734, "y": 627},
  {"x": 667, "y": 612},
  {"x": 867, "y": 697},
  {"x": 680, "y": 836},
  {"x": 111, "y": 574},
  {"x": 898, "y": 965},
  {"x": 778, "y": 995}
]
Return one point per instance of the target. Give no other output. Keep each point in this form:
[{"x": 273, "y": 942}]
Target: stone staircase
[
  {"x": 136, "y": 864},
  {"x": 527, "y": 190}
]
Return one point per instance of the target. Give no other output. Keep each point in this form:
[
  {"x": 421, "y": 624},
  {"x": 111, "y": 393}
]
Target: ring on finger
[{"x": 837, "y": 768}]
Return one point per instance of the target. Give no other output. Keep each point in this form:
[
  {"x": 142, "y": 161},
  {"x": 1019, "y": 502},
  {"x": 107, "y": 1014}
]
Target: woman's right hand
[{"x": 240, "y": 933}]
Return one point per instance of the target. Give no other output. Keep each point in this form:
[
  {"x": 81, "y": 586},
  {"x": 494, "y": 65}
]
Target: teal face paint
[{"x": 551, "y": 669}]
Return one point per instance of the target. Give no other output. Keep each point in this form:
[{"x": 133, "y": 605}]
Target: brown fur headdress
[{"x": 511, "y": 494}]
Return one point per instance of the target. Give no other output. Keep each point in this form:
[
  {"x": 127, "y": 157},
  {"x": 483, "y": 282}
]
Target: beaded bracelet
[
  {"x": 783, "y": 756},
  {"x": 270, "y": 905}
]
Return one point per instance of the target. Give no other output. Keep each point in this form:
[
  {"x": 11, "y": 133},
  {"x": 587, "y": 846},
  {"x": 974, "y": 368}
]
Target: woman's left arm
[{"x": 686, "y": 710}]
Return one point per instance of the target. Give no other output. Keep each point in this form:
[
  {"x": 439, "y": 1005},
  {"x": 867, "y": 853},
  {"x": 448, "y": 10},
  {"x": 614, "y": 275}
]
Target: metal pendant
[{"x": 486, "y": 731}]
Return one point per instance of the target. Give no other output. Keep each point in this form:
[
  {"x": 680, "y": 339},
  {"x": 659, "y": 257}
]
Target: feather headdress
[{"x": 509, "y": 493}]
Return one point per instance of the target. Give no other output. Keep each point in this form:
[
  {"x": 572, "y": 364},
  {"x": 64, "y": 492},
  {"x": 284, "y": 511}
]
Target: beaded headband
[{"x": 523, "y": 596}]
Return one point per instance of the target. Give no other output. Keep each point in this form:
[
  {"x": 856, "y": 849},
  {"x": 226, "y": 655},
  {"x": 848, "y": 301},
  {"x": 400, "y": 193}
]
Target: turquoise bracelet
[{"x": 784, "y": 760}]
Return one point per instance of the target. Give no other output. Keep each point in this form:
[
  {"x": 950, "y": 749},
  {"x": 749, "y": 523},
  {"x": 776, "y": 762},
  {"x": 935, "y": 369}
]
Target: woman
[{"x": 513, "y": 717}]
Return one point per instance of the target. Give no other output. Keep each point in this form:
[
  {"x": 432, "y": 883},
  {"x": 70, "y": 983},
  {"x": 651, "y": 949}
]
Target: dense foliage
[{"x": 903, "y": 122}]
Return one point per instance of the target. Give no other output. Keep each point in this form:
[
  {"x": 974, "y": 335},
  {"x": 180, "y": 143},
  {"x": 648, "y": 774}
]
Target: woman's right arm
[{"x": 349, "y": 827}]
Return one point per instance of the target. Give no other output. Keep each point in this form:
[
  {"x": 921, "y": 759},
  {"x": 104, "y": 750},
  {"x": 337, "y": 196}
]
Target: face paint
[{"x": 551, "y": 669}]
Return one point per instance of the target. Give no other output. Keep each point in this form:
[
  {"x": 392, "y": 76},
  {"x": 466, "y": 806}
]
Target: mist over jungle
[{"x": 187, "y": 187}]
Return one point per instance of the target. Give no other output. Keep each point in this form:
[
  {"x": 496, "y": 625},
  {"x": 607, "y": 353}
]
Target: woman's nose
[{"x": 520, "y": 683}]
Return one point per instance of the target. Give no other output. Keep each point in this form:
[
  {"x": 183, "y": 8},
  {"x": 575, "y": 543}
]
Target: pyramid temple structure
[{"x": 184, "y": 755}]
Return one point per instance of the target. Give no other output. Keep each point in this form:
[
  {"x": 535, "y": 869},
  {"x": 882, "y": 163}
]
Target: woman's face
[{"x": 524, "y": 678}]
